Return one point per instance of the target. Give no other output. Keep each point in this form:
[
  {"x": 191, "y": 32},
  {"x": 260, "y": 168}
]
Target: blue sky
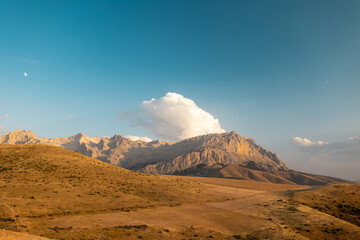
[{"x": 271, "y": 70}]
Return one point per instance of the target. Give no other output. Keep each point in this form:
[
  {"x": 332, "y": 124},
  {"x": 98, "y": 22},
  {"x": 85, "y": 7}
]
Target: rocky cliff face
[
  {"x": 226, "y": 148},
  {"x": 220, "y": 155}
]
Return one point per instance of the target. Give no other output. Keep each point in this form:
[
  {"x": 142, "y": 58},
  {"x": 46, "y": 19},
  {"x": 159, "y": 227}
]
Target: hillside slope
[
  {"x": 243, "y": 173},
  {"x": 340, "y": 200},
  {"x": 41, "y": 183},
  {"x": 33, "y": 176}
]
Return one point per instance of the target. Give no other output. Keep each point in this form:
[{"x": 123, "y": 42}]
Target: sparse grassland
[
  {"x": 59, "y": 194},
  {"x": 38, "y": 181},
  {"x": 48, "y": 181},
  {"x": 339, "y": 200},
  {"x": 245, "y": 184}
]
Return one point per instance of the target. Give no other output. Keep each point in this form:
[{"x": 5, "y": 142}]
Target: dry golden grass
[
  {"x": 339, "y": 200},
  {"x": 245, "y": 184},
  {"x": 10, "y": 235},
  {"x": 38, "y": 181},
  {"x": 44, "y": 180},
  {"x": 56, "y": 193},
  {"x": 295, "y": 220},
  {"x": 301, "y": 222},
  {"x": 144, "y": 232}
]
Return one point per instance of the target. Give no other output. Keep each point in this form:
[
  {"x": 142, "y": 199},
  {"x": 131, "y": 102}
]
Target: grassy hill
[
  {"x": 340, "y": 200},
  {"x": 38, "y": 181}
]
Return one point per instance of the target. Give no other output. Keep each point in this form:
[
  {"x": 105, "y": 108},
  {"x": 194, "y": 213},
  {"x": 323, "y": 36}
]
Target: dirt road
[{"x": 228, "y": 217}]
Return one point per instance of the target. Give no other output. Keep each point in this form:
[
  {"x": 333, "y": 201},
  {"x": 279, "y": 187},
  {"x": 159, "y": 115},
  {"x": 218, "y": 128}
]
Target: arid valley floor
[{"x": 52, "y": 193}]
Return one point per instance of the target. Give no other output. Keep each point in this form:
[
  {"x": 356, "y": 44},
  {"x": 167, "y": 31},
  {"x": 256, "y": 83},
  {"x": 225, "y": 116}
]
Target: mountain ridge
[
  {"x": 226, "y": 155},
  {"x": 224, "y": 148}
]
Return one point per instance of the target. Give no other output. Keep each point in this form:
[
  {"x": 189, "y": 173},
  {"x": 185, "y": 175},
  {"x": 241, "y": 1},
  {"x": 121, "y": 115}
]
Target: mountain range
[{"x": 225, "y": 155}]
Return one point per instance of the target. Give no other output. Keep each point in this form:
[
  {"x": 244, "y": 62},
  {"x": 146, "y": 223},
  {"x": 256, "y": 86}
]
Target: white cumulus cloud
[
  {"x": 174, "y": 117},
  {"x": 306, "y": 142},
  {"x": 136, "y": 138}
]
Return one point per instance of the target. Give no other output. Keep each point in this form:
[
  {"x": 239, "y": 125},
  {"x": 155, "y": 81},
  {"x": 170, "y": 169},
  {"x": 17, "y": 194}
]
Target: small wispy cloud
[
  {"x": 71, "y": 117},
  {"x": 29, "y": 60},
  {"x": 307, "y": 142},
  {"x": 2, "y": 129},
  {"x": 136, "y": 138},
  {"x": 4, "y": 116}
]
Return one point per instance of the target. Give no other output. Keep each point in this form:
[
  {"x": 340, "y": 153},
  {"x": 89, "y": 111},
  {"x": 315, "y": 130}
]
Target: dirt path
[
  {"x": 279, "y": 231},
  {"x": 247, "y": 201},
  {"x": 240, "y": 205},
  {"x": 227, "y": 217}
]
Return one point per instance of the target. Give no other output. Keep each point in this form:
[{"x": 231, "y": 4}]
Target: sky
[{"x": 285, "y": 73}]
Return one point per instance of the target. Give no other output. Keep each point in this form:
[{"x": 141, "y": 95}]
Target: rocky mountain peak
[
  {"x": 80, "y": 136},
  {"x": 19, "y": 137},
  {"x": 117, "y": 137}
]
